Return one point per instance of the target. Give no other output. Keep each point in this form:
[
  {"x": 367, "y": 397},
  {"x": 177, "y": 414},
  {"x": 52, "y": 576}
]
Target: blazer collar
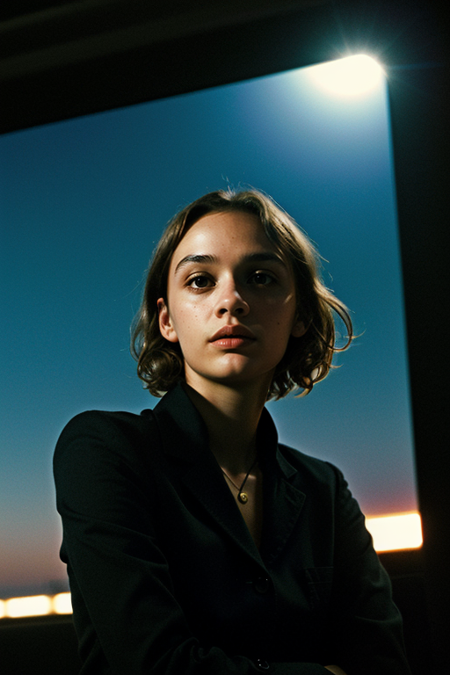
[
  {"x": 184, "y": 436},
  {"x": 183, "y": 431}
]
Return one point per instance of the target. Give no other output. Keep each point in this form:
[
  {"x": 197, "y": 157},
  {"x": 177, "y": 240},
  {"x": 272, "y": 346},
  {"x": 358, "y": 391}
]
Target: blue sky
[{"x": 83, "y": 203}]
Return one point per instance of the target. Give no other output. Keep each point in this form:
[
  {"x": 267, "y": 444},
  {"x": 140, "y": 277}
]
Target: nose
[{"x": 230, "y": 300}]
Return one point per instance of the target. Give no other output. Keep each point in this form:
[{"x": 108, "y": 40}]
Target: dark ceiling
[{"x": 60, "y": 60}]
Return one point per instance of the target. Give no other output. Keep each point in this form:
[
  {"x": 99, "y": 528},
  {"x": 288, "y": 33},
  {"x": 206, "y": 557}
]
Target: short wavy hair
[{"x": 307, "y": 359}]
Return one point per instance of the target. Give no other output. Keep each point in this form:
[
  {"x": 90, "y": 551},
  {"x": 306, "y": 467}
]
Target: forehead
[{"x": 223, "y": 231}]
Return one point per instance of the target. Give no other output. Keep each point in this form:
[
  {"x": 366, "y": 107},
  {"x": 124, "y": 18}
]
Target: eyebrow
[{"x": 264, "y": 256}]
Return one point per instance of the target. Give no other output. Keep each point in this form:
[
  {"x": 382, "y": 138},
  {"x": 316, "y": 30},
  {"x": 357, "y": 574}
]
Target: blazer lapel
[
  {"x": 184, "y": 436},
  {"x": 282, "y": 507},
  {"x": 211, "y": 491},
  {"x": 283, "y": 500}
]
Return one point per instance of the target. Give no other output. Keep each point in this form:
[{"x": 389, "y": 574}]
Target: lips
[{"x": 230, "y": 332}]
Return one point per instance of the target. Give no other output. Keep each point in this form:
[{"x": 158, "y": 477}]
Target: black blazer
[{"x": 166, "y": 579}]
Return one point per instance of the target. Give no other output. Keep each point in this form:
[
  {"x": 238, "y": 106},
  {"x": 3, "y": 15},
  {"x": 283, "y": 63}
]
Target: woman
[{"x": 195, "y": 543}]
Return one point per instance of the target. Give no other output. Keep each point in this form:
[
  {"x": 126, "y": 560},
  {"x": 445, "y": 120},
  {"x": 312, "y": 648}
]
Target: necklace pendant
[{"x": 243, "y": 497}]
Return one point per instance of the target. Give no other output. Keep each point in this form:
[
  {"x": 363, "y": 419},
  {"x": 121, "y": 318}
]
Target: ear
[
  {"x": 298, "y": 329},
  {"x": 165, "y": 324}
]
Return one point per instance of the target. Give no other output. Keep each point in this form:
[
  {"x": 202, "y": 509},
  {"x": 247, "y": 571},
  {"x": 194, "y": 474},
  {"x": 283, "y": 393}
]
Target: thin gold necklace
[{"x": 242, "y": 496}]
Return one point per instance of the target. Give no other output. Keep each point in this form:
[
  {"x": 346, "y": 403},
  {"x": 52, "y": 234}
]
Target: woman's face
[{"x": 230, "y": 302}]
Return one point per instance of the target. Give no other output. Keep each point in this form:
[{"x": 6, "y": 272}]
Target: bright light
[
  {"x": 391, "y": 533},
  {"x": 35, "y": 605},
  {"x": 351, "y": 76},
  {"x": 62, "y": 603}
]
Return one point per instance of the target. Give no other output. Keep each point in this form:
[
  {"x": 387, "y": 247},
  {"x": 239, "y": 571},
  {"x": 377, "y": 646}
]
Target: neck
[{"x": 231, "y": 417}]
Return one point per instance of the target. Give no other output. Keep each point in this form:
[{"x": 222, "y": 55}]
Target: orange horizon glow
[
  {"x": 393, "y": 532},
  {"x": 396, "y": 531},
  {"x": 35, "y": 605}
]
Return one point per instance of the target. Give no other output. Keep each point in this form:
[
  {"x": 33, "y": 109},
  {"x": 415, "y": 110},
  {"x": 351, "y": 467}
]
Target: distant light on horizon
[
  {"x": 396, "y": 532},
  {"x": 351, "y": 76},
  {"x": 62, "y": 603},
  {"x": 34, "y": 605}
]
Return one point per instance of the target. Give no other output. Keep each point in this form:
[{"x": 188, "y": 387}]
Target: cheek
[
  {"x": 186, "y": 320},
  {"x": 284, "y": 313}
]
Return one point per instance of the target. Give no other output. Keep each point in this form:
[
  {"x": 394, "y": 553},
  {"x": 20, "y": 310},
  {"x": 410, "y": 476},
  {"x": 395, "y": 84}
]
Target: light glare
[
  {"x": 350, "y": 76},
  {"x": 34, "y": 605},
  {"x": 392, "y": 533},
  {"x": 62, "y": 603}
]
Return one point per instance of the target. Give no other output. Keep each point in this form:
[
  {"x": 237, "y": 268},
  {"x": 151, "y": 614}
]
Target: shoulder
[
  {"x": 328, "y": 495},
  {"x": 305, "y": 470},
  {"x": 320, "y": 479},
  {"x": 118, "y": 435},
  {"x": 93, "y": 422},
  {"x": 315, "y": 468}
]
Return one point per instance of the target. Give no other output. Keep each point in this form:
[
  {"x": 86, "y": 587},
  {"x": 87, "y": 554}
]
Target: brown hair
[{"x": 307, "y": 359}]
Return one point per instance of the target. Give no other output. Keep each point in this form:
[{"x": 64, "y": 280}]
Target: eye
[
  {"x": 200, "y": 281},
  {"x": 262, "y": 278}
]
